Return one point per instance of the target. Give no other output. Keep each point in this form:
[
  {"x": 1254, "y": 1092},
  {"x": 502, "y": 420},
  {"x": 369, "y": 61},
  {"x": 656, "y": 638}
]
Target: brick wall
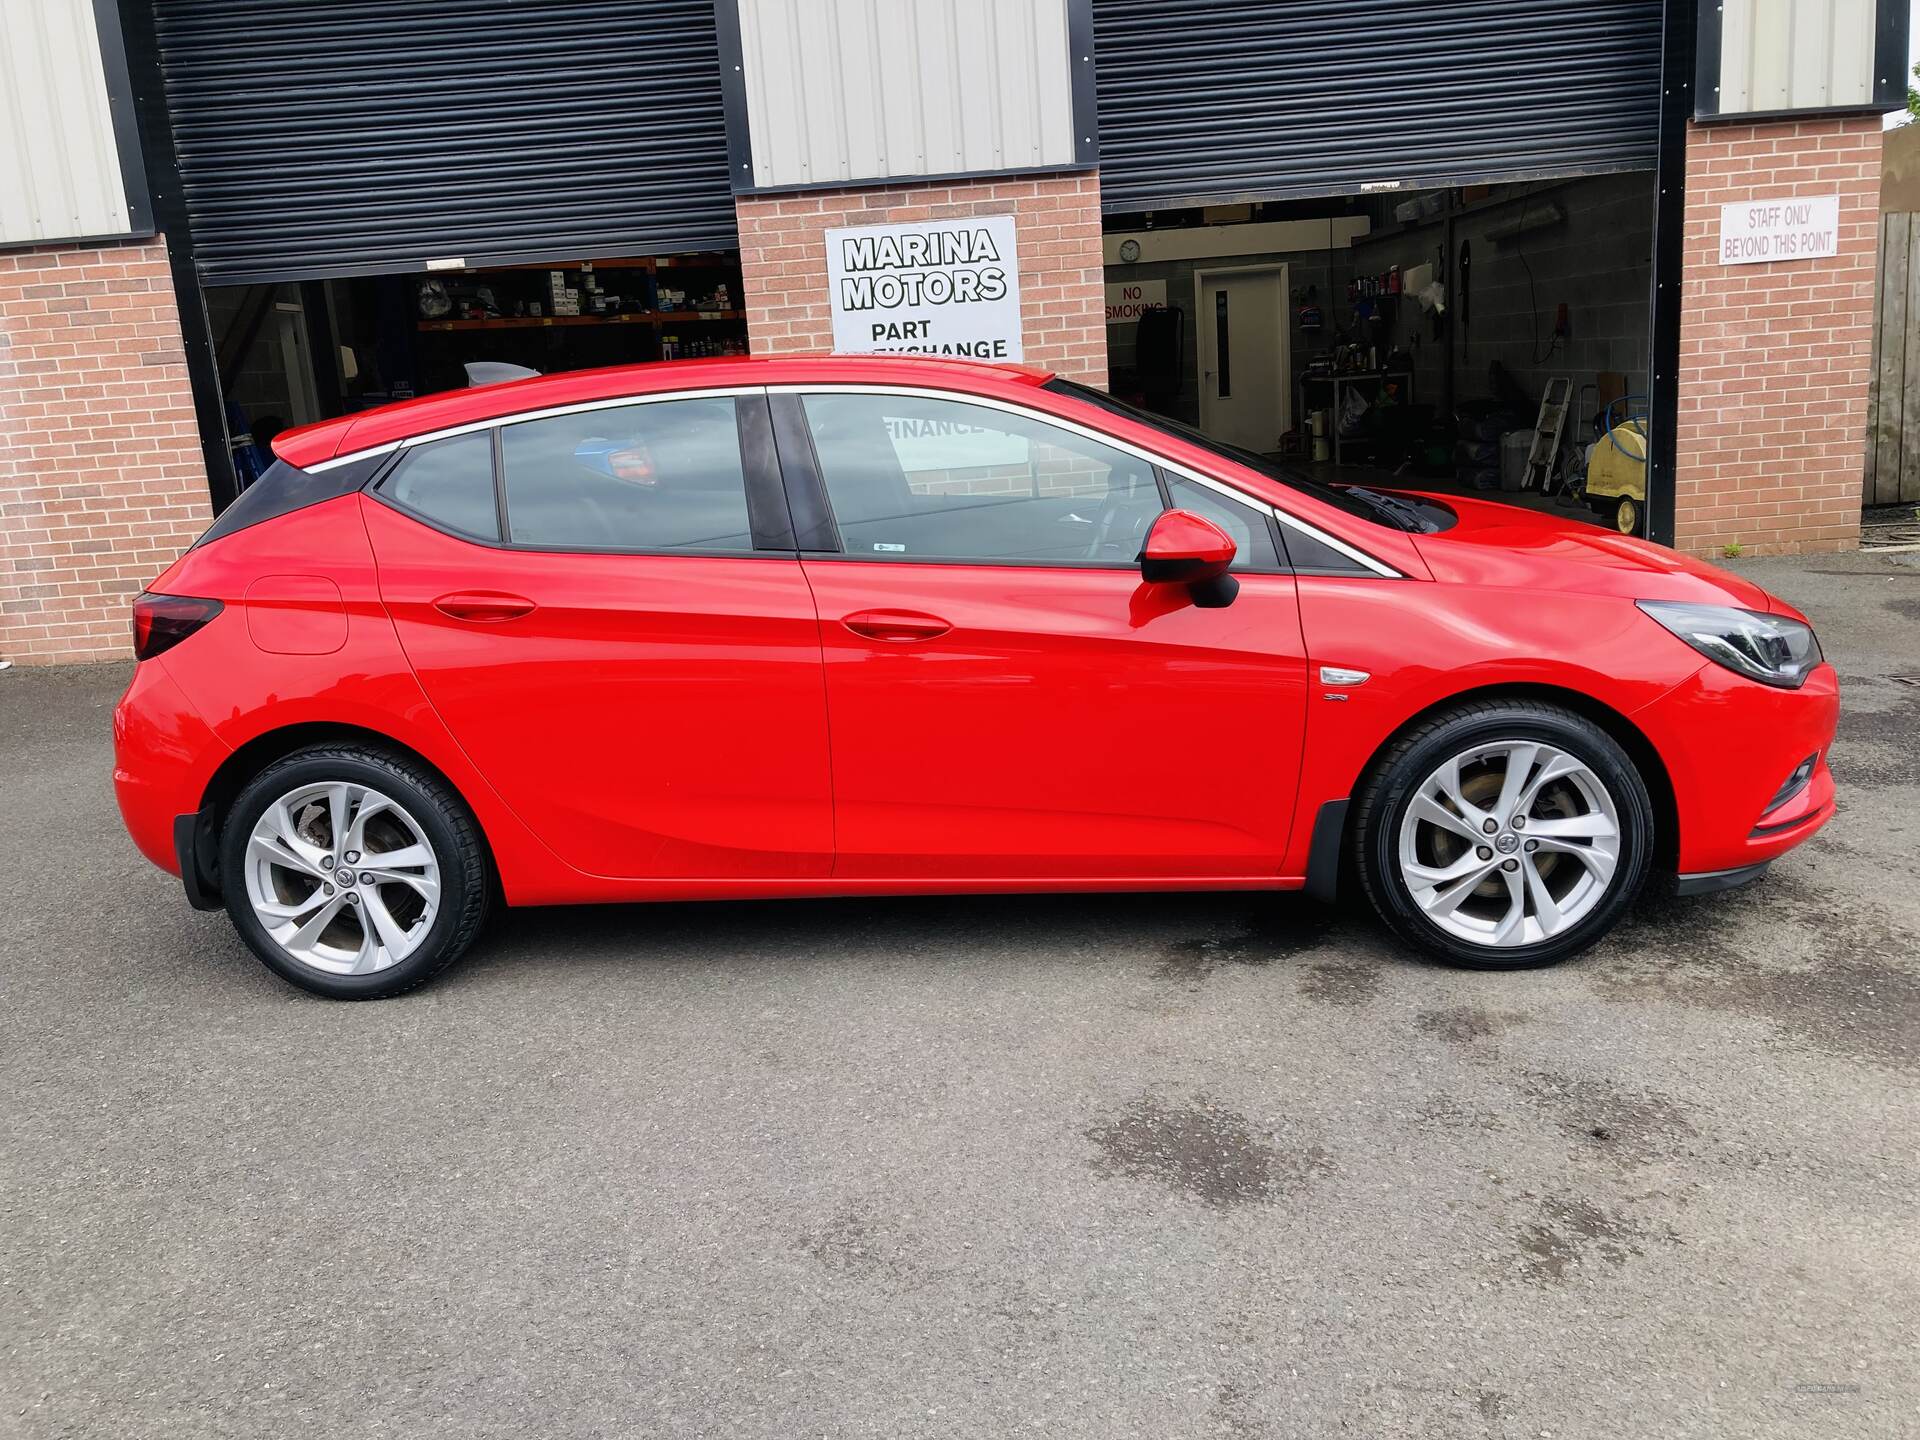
[
  {"x": 101, "y": 480},
  {"x": 1774, "y": 357},
  {"x": 783, "y": 259}
]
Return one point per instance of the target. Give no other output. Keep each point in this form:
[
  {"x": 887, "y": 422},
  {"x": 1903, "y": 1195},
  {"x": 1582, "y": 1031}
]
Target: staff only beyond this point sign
[
  {"x": 1753, "y": 231},
  {"x": 934, "y": 287}
]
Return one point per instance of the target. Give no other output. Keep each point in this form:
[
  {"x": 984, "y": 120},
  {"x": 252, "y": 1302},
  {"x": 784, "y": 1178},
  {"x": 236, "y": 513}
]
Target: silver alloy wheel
[
  {"x": 342, "y": 878},
  {"x": 1509, "y": 843}
]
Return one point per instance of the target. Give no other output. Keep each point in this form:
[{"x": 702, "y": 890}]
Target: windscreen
[{"x": 1254, "y": 461}]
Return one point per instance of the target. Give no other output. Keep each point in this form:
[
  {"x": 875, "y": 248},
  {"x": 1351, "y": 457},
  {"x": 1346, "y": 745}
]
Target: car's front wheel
[
  {"x": 353, "y": 873},
  {"x": 1504, "y": 834}
]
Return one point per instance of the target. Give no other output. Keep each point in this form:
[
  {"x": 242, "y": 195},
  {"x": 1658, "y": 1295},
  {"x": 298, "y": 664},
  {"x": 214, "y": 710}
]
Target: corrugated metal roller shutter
[
  {"x": 367, "y": 135},
  {"x": 1202, "y": 101}
]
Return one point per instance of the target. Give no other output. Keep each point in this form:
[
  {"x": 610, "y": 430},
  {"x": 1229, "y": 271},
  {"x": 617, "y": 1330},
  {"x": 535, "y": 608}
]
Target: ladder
[{"x": 1548, "y": 430}]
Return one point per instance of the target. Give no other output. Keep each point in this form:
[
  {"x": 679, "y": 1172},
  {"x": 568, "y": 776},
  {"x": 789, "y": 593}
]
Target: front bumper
[
  {"x": 1712, "y": 882},
  {"x": 1728, "y": 744}
]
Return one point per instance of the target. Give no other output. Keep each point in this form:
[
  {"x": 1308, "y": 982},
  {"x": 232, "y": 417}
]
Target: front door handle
[
  {"x": 483, "y": 607},
  {"x": 895, "y": 625}
]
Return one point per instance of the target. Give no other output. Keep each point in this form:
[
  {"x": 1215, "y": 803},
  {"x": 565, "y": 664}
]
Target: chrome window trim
[
  {"x": 353, "y": 457},
  {"x": 1360, "y": 557},
  {"x": 579, "y": 407},
  {"x": 1186, "y": 472}
]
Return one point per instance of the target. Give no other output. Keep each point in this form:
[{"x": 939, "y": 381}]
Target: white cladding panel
[
  {"x": 849, "y": 90},
  {"x": 59, "y": 166},
  {"x": 1795, "y": 55}
]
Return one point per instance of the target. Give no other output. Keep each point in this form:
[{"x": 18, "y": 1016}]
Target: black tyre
[
  {"x": 353, "y": 873},
  {"x": 1626, "y": 515},
  {"x": 1503, "y": 834}
]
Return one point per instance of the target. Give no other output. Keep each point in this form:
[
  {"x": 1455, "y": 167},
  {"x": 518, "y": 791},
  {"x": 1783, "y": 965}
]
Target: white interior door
[{"x": 1245, "y": 389}]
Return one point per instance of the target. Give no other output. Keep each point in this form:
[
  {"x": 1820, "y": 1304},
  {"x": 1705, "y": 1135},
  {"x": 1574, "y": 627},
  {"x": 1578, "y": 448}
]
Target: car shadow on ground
[{"x": 1172, "y": 929}]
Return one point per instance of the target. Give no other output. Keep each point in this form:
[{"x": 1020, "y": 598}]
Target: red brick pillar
[
  {"x": 783, "y": 258},
  {"x": 102, "y": 484},
  {"x": 1775, "y": 357}
]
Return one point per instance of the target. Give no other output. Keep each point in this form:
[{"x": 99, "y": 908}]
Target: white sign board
[
  {"x": 935, "y": 287},
  {"x": 1131, "y": 299},
  {"x": 1753, "y": 231}
]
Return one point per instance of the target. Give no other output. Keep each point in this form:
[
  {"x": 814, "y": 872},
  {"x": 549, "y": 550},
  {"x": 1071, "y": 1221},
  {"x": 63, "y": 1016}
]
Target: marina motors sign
[{"x": 932, "y": 287}]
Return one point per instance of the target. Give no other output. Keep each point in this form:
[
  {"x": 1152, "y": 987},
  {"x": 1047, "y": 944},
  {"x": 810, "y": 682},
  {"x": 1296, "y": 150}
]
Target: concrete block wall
[
  {"x": 1775, "y": 357},
  {"x": 101, "y": 479},
  {"x": 783, "y": 260}
]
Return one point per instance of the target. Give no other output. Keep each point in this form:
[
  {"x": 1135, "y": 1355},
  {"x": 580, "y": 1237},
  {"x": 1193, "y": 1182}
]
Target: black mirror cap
[{"x": 1183, "y": 571}]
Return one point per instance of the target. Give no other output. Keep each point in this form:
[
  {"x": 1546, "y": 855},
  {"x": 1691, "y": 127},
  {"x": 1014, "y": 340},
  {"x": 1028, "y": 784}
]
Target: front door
[
  {"x": 1245, "y": 396},
  {"x": 1009, "y": 700},
  {"x": 638, "y": 681}
]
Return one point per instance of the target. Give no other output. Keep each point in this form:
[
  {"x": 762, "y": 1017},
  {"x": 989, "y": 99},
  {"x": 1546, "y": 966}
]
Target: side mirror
[{"x": 1185, "y": 549}]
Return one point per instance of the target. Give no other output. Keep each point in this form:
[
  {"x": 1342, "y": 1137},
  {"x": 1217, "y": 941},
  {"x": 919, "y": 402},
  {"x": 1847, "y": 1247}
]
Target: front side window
[
  {"x": 1253, "y": 547},
  {"x": 912, "y": 478},
  {"x": 450, "y": 483},
  {"x": 664, "y": 475}
]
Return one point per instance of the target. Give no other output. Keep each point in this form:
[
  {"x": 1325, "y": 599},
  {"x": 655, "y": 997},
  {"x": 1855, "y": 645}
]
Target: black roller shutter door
[
  {"x": 1202, "y": 101},
  {"x": 331, "y": 137}
]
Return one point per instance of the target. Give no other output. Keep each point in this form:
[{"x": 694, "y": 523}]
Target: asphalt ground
[{"x": 1123, "y": 1166}]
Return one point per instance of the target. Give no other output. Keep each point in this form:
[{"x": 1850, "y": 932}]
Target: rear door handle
[
  {"x": 895, "y": 625},
  {"x": 483, "y": 607}
]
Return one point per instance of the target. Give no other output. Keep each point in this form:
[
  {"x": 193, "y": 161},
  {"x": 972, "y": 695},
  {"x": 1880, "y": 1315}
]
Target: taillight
[{"x": 161, "y": 622}]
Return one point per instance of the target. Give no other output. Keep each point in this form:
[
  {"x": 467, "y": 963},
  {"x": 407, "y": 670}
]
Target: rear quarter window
[{"x": 450, "y": 483}]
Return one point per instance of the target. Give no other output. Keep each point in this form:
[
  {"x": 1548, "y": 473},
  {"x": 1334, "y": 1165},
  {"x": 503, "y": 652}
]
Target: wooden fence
[{"x": 1893, "y": 403}]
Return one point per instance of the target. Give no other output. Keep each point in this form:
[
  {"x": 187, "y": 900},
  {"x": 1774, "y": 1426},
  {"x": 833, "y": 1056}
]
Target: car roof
[{"x": 310, "y": 445}]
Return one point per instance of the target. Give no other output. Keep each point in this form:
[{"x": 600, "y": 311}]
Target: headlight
[{"x": 1769, "y": 648}]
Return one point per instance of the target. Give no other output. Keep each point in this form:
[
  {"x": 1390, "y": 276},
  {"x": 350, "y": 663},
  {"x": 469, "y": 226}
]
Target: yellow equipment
[{"x": 1617, "y": 470}]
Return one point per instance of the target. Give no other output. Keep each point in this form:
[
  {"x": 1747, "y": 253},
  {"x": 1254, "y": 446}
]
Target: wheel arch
[
  {"x": 1334, "y": 832},
  {"x": 264, "y": 749}
]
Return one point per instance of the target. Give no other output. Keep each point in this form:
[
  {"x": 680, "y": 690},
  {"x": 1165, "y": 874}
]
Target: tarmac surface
[{"x": 1126, "y": 1166}]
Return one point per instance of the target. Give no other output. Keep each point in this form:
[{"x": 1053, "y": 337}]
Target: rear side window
[
  {"x": 665, "y": 475},
  {"x": 449, "y": 482},
  {"x": 911, "y": 478}
]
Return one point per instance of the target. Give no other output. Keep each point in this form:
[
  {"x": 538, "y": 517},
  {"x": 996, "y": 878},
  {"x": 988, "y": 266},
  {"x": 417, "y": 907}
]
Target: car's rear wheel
[
  {"x": 353, "y": 873},
  {"x": 1504, "y": 834}
]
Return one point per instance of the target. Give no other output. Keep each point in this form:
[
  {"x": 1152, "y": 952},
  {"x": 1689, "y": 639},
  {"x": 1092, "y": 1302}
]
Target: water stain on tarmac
[
  {"x": 1347, "y": 983},
  {"x": 850, "y": 1244},
  {"x": 1575, "y": 1234},
  {"x": 1855, "y": 999},
  {"x": 1630, "y": 1127},
  {"x": 1466, "y": 1024},
  {"x": 1881, "y": 747},
  {"x": 1267, "y": 939},
  {"x": 1203, "y": 1151}
]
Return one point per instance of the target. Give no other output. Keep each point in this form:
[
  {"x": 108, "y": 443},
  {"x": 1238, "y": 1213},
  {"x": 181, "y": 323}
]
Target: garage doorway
[
  {"x": 289, "y": 353},
  {"x": 1245, "y": 380},
  {"x": 1416, "y": 333}
]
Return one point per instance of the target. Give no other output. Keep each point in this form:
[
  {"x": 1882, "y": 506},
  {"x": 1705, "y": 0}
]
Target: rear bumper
[
  {"x": 1729, "y": 744},
  {"x": 163, "y": 757}
]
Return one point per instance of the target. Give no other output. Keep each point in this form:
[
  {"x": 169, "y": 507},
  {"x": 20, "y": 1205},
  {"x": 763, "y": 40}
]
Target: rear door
[
  {"x": 616, "y": 628},
  {"x": 1009, "y": 700}
]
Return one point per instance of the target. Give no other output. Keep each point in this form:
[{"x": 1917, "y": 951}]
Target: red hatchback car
[{"x": 884, "y": 626}]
